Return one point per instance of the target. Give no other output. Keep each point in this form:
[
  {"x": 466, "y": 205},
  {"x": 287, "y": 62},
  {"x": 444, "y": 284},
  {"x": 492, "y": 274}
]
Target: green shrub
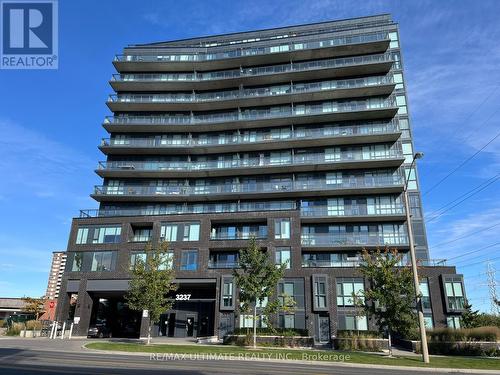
[
  {"x": 34, "y": 325},
  {"x": 3, "y": 323},
  {"x": 271, "y": 332},
  {"x": 362, "y": 334},
  {"x": 15, "y": 329},
  {"x": 471, "y": 334}
]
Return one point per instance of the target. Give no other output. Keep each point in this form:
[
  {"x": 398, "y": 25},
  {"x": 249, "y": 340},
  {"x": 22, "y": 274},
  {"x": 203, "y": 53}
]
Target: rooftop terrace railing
[{"x": 252, "y": 51}]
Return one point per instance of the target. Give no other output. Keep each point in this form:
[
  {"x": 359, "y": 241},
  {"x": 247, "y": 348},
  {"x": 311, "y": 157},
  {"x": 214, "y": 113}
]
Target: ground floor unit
[{"x": 209, "y": 306}]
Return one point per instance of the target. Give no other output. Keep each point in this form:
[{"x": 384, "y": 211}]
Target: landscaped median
[{"x": 173, "y": 352}]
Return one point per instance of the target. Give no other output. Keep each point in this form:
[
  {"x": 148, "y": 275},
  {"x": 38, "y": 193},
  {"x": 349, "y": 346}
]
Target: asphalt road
[{"x": 41, "y": 356}]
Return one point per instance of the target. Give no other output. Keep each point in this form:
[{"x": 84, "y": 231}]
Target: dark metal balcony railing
[
  {"x": 288, "y": 89},
  {"x": 312, "y": 158},
  {"x": 341, "y": 239},
  {"x": 395, "y": 208},
  {"x": 325, "y": 132},
  {"x": 176, "y": 209},
  {"x": 252, "y": 51},
  {"x": 255, "y": 71},
  {"x": 260, "y": 187},
  {"x": 256, "y": 114}
]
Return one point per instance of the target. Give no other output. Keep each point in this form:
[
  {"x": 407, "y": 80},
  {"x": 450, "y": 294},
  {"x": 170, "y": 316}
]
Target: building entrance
[{"x": 192, "y": 314}]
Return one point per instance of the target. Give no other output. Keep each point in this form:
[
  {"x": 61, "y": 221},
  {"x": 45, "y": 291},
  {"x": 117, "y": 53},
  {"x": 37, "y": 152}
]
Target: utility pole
[
  {"x": 416, "y": 281},
  {"x": 490, "y": 273}
]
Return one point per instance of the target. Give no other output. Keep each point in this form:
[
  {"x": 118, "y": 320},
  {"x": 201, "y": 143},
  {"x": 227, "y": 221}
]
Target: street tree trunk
[
  {"x": 389, "y": 342},
  {"x": 255, "y": 325},
  {"x": 149, "y": 333}
]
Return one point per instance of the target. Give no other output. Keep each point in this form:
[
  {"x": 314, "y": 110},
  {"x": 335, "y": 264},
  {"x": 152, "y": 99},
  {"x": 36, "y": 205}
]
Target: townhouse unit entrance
[{"x": 193, "y": 312}]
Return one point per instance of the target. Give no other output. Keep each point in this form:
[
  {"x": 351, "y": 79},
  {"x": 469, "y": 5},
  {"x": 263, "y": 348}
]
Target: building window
[
  {"x": 286, "y": 289},
  {"x": 227, "y": 293},
  {"x": 455, "y": 295},
  {"x": 347, "y": 289},
  {"x": 107, "y": 235},
  {"x": 136, "y": 258},
  {"x": 353, "y": 323},
  {"x": 426, "y": 297},
  {"x": 246, "y": 321},
  {"x": 167, "y": 261},
  {"x": 102, "y": 261},
  {"x": 173, "y": 232},
  {"x": 282, "y": 229},
  {"x": 142, "y": 235},
  {"x": 283, "y": 256},
  {"x": 287, "y": 321},
  {"x": 82, "y": 236},
  {"x": 189, "y": 260},
  {"x": 77, "y": 262},
  {"x": 320, "y": 294},
  {"x": 428, "y": 322},
  {"x": 453, "y": 322}
]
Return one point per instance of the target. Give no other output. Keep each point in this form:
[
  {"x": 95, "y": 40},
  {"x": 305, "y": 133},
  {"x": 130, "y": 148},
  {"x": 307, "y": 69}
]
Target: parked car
[{"x": 100, "y": 330}]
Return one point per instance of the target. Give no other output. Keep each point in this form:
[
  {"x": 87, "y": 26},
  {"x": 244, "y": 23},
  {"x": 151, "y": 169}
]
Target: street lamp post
[{"x": 416, "y": 282}]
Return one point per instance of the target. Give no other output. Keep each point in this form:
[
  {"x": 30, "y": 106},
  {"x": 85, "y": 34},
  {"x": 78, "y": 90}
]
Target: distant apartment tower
[
  {"x": 298, "y": 136},
  {"x": 54, "y": 284}
]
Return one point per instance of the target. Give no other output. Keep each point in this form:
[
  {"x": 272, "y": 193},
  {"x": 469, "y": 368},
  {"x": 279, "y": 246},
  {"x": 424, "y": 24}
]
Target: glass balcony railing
[
  {"x": 164, "y": 56},
  {"x": 257, "y": 114},
  {"x": 283, "y": 135},
  {"x": 355, "y": 262},
  {"x": 271, "y": 91},
  {"x": 360, "y": 239},
  {"x": 238, "y": 235},
  {"x": 312, "y": 158},
  {"x": 252, "y": 72},
  {"x": 261, "y": 187},
  {"x": 353, "y": 210},
  {"x": 222, "y": 264}
]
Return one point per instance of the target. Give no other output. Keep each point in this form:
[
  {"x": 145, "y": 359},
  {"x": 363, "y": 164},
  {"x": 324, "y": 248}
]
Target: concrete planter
[
  {"x": 30, "y": 333},
  {"x": 280, "y": 341}
]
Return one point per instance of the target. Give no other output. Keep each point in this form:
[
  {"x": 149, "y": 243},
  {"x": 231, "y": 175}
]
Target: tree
[
  {"x": 470, "y": 318},
  {"x": 390, "y": 298},
  {"x": 488, "y": 320},
  {"x": 151, "y": 282},
  {"x": 256, "y": 278},
  {"x": 35, "y": 306}
]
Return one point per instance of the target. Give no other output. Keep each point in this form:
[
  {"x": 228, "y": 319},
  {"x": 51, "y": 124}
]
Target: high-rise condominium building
[
  {"x": 57, "y": 268},
  {"x": 299, "y": 136}
]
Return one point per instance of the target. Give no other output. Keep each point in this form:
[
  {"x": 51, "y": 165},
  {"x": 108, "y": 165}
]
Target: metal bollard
[
  {"x": 53, "y": 330},
  {"x": 63, "y": 329},
  {"x": 70, "y": 331}
]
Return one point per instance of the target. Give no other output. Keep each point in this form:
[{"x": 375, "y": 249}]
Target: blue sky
[{"x": 50, "y": 121}]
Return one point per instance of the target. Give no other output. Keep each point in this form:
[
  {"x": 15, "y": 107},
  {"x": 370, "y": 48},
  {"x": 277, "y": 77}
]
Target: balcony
[
  {"x": 222, "y": 265},
  {"x": 355, "y": 262},
  {"x": 251, "y": 166},
  {"x": 353, "y": 212},
  {"x": 204, "y": 59},
  {"x": 368, "y": 109},
  {"x": 359, "y": 240},
  {"x": 250, "y": 97},
  {"x": 319, "y": 187},
  {"x": 238, "y": 234},
  {"x": 334, "y": 135},
  {"x": 264, "y": 75}
]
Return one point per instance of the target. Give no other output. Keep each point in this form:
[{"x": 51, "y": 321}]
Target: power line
[
  {"x": 473, "y": 264},
  {"x": 474, "y": 251},
  {"x": 471, "y": 193},
  {"x": 466, "y": 160},
  {"x": 465, "y": 236}
]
